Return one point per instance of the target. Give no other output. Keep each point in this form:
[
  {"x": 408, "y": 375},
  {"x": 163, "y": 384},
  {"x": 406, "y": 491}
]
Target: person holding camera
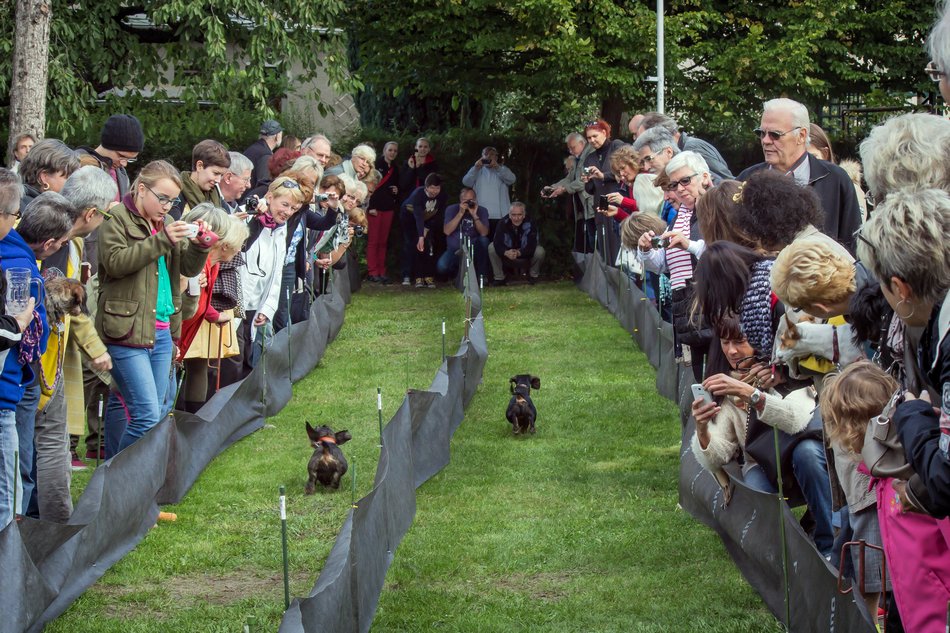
[
  {"x": 515, "y": 245},
  {"x": 491, "y": 179},
  {"x": 465, "y": 219},
  {"x": 142, "y": 254},
  {"x": 599, "y": 180}
]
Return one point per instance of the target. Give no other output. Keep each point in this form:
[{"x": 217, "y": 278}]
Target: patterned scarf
[
  {"x": 30, "y": 341},
  {"x": 756, "y": 315},
  {"x": 267, "y": 221}
]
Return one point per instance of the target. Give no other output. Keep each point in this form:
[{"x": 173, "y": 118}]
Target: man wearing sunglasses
[
  {"x": 938, "y": 44},
  {"x": 783, "y": 133}
]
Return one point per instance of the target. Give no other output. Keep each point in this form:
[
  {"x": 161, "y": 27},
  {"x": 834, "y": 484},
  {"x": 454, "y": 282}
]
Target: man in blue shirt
[{"x": 469, "y": 219}]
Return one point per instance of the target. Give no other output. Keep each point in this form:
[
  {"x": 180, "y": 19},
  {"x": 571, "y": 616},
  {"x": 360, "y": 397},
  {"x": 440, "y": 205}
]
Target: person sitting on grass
[{"x": 515, "y": 244}]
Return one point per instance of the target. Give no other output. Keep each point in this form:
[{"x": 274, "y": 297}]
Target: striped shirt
[{"x": 678, "y": 261}]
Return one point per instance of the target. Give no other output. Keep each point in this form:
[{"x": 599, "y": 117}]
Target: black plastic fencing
[
  {"x": 750, "y": 525},
  {"x": 46, "y": 566},
  {"x": 415, "y": 447}
]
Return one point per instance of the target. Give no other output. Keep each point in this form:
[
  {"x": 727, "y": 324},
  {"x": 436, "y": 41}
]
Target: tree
[{"x": 29, "y": 68}]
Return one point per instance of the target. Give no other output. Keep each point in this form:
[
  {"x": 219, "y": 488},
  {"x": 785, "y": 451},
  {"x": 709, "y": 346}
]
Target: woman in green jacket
[{"x": 141, "y": 253}]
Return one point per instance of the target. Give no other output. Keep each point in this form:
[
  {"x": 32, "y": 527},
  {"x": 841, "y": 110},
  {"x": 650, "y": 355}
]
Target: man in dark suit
[{"x": 784, "y": 136}]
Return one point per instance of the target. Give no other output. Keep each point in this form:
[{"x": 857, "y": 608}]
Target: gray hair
[
  {"x": 518, "y": 204},
  {"x": 573, "y": 137},
  {"x": 656, "y": 138},
  {"x": 50, "y": 155},
  {"x": 907, "y": 238},
  {"x": 239, "y": 163},
  {"x": 653, "y": 120},
  {"x": 236, "y": 234},
  {"x": 49, "y": 217},
  {"x": 364, "y": 151},
  {"x": 794, "y": 109},
  {"x": 910, "y": 150},
  {"x": 360, "y": 191},
  {"x": 10, "y": 192},
  {"x": 687, "y": 159},
  {"x": 312, "y": 140},
  {"x": 211, "y": 215},
  {"x": 90, "y": 187},
  {"x": 938, "y": 43}
]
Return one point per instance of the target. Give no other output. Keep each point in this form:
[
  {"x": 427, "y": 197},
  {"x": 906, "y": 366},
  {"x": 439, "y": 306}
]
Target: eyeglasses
[
  {"x": 648, "y": 159},
  {"x": 127, "y": 159},
  {"x": 104, "y": 213},
  {"x": 772, "y": 134},
  {"x": 290, "y": 184},
  {"x": 165, "y": 201},
  {"x": 857, "y": 235},
  {"x": 682, "y": 182},
  {"x": 934, "y": 73},
  {"x": 246, "y": 181}
]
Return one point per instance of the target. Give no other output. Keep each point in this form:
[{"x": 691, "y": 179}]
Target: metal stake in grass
[
  {"x": 290, "y": 347},
  {"x": 249, "y": 624},
  {"x": 283, "y": 545},
  {"x": 16, "y": 465},
  {"x": 443, "y": 339},
  {"x": 379, "y": 410},
  {"x": 353, "y": 484},
  {"x": 781, "y": 526}
]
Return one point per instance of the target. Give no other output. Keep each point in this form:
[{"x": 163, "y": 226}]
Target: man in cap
[
  {"x": 120, "y": 142},
  {"x": 262, "y": 149}
]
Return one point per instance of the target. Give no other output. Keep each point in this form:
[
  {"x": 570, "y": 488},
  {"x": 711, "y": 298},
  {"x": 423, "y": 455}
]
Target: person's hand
[
  {"x": 224, "y": 317},
  {"x": 645, "y": 243},
  {"x": 615, "y": 198},
  {"x": 323, "y": 261},
  {"x": 676, "y": 239},
  {"x": 177, "y": 231},
  {"x": 610, "y": 212},
  {"x": 260, "y": 320},
  {"x": 242, "y": 215},
  {"x": 421, "y": 244},
  {"x": 102, "y": 363},
  {"x": 395, "y": 190},
  {"x": 202, "y": 280},
  {"x": 723, "y": 385},
  {"x": 372, "y": 212},
  {"x": 511, "y": 253},
  {"x": 479, "y": 164},
  {"x": 558, "y": 191},
  {"x": 765, "y": 375},
  {"x": 924, "y": 396},
  {"x": 596, "y": 174},
  {"x": 704, "y": 412},
  {"x": 26, "y": 317}
]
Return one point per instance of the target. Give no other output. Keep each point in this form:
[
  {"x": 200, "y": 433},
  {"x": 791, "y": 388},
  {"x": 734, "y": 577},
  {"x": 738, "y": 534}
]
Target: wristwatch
[{"x": 755, "y": 397}]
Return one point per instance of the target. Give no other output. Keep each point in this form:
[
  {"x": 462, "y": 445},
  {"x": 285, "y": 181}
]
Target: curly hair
[
  {"x": 809, "y": 271},
  {"x": 773, "y": 209},
  {"x": 850, "y": 399}
]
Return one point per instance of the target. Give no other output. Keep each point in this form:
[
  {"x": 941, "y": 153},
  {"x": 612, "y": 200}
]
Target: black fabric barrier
[
  {"x": 750, "y": 525},
  {"x": 46, "y": 566},
  {"x": 415, "y": 447}
]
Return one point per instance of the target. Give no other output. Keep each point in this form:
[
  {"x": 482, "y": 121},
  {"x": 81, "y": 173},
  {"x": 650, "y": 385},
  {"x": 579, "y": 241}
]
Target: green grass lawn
[{"x": 573, "y": 529}]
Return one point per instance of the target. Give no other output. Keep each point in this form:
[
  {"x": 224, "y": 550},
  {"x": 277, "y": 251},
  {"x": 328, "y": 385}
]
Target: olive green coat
[{"x": 128, "y": 277}]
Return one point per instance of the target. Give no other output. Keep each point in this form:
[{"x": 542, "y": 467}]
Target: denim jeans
[
  {"x": 448, "y": 264},
  {"x": 25, "y": 428},
  {"x": 10, "y": 485},
  {"x": 115, "y": 420},
  {"x": 811, "y": 473},
  {"x": 142, "y": 376}
]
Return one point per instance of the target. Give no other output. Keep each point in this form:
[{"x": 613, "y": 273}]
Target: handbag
[{"x": 882, "y": 452}]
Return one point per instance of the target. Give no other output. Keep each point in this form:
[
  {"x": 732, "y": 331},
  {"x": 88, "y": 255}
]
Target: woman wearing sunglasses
[{"x": 142, "y": 251}]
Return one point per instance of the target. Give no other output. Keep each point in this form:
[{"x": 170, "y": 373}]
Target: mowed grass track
[{"x": 573, "y": 529}]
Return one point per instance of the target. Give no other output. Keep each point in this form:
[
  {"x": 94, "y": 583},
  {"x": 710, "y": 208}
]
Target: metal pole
[
  {"x": 283, "y": 545},
  {"x": 443, "y": 340},
  {"x": 102, "y": 429},
  {"x": 353, "y": 484},
  {"x": 781, "y": 525},
  {"x": 16, "y": 466},
  {"x": 660, "y": 54},
  {"x": 379, "y": 409}
]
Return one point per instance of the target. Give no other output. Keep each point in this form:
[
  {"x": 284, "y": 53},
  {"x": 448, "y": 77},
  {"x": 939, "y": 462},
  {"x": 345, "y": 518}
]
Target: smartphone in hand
[{"x": 699, "y": 392}]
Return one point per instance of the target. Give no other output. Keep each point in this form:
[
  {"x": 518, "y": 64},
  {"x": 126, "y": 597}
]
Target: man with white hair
[
  {"x": 318, "y": 146},
  {"x": 938, "y": 45},
  {"x": 582, "y": 202},
  {"x": 686, "y": 143},
  {"x": 783, "y": 132},
  {"x": 655, "y": 147},
  {"x": 236, "y": 181}
]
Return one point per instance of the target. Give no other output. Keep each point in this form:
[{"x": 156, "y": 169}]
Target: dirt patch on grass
[{"x": 546, "y": 586}]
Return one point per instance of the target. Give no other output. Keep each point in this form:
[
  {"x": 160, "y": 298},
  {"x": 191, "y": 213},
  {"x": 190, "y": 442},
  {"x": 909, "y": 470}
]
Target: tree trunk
[
  {"x": 611, "y": 108},
  {"x": 30, "y": 69}
]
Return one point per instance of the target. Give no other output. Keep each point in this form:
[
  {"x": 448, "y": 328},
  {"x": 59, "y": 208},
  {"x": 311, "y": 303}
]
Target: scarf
[
  {"x": 756, "y": 314},
  {"x": 267, "y": 221},
  {"x": 30, "y": 342}
]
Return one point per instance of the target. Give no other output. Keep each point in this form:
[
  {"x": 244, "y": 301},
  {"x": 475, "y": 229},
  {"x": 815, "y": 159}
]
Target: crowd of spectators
[{"x": 814, "y": 322}]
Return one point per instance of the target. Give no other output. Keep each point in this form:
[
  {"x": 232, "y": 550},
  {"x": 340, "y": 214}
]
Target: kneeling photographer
[{"x": 467, "y": 219}]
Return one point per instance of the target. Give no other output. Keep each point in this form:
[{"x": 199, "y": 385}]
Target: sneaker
[
  {"x": 406, "y": 281},
  {"x": 430, "y": 282},
  {"x": 420, "y": 283},
  {"x": 77, "y": 464}
]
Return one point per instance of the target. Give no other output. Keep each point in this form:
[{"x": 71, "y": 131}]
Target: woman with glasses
[
  {"x": 678, "y": 249},
  {"x": 142, "y": 254},
  {"x": 359, "y": 165},
  {"x": 265, "y": 253}
]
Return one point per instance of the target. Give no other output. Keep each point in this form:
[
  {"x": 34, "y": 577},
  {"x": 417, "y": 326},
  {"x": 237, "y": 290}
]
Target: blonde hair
[
  {"x": 907, "y": 238},
  {"x": 155, "y": 171},
  {"x": 850, "y": 399},
  {"x": 624, "y": 157},
  {"x": 365, "y": 152},
  {"x": 809, "y": 271},
  {"x": 636, "y": 225},
  {"x": 235, "y": 235},
  {"x": 907, "y": 151},
  {"x": 277, "y": 189}
]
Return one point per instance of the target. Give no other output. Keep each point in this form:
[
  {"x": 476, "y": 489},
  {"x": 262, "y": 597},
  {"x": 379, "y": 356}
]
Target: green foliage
[
  {"x": 573, "y": 529},
  {"x": 193, "y": 69}
]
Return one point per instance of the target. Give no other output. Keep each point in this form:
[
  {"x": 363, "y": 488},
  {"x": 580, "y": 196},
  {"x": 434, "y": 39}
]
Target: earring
[
  {"x": 901, "y": 316},
  {"x": 45, "y": 186}
]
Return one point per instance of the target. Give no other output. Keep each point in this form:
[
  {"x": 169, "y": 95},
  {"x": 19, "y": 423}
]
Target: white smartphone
[
  {"x": 192, "y": 231},
  {"x": 699, "y": 392}
]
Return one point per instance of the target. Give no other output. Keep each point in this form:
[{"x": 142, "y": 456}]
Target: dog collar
[{"x": 329, "y": 439}]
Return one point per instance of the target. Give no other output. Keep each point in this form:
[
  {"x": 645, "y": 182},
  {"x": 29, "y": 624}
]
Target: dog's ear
[
  {"x": 342, "y": 437},
  {"x": 535, "y": 382},
  {"x": 514, "y": 382},
  {"x": 312, "y": 433}
]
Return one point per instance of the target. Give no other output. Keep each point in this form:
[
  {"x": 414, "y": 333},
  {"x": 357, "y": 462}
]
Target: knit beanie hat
[{"x": 122, "y": 133}]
